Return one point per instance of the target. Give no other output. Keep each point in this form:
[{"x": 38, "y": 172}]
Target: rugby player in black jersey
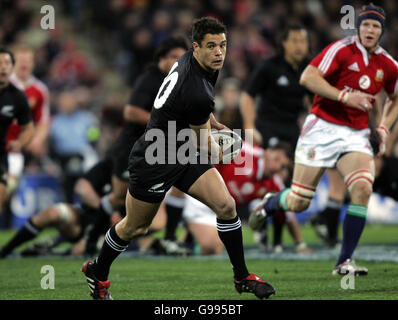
[
  {"x": 136, "y": 115},
  {"x": 184, "y": 101},
  {"x": 14, "y": 106}
]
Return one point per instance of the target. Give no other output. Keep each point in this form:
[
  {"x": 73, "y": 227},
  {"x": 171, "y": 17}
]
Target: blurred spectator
[
  {"x": 276, "y": 83},
  {"x": 70, "y": 68},
  {"x": 73, "y": 133},
  {"x": 227, "y": 104}
]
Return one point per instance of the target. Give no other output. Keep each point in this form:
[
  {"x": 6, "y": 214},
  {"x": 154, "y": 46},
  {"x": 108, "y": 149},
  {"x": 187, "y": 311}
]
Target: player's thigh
[
  {"x": 307, "y": 175},
  {"x": 358, "y": 170},
  {"x": 159, "y": 221},
  {"x": 211, "y": 190},
  {"x": 119, "y": 187},
  {"x": 139, "y": 216},
  {"x": 207, "y": 238},
  {"x": 355, "y": 161},
  {"x": 305, "y": 181}
]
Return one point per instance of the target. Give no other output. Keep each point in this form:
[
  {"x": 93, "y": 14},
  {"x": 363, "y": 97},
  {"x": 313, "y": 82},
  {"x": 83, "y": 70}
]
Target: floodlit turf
[
  {"x": 188, "y": 279},
  {"x": 203, "y": 279}
]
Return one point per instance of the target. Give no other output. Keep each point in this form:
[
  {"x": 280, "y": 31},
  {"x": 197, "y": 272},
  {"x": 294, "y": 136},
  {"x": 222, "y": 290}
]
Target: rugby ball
[{"x": 229, "y": 141}]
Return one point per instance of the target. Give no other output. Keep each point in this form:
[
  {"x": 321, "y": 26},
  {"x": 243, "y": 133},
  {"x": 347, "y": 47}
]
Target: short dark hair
[
  {"x": 9, "y": 52},
  {"x": 284, "y": 146},
  {"x": 205, "y": 25},
  {"x": 295, "y": 26},
  {"x": 169, "y": 44}
]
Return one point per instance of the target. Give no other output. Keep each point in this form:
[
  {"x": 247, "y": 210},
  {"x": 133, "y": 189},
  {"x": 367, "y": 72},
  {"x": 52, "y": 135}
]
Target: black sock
[
  {"x": 110, "y": 250},
  {"x": 174, "y": 208},
  {"x": 26, "y": 233},
  {"x": 100, "y": 226},
  {"x": 278, "y": 229},
  {"x": 332, "y": 216},
  {"x": 174, "y": 215},
  {"x": 230, "y": 233}
]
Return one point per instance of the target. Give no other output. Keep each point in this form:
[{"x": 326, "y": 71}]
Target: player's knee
[
  {"x": 226, "y": 209},
  {"x": 359, "y": 183},
  {"x": 129, "y": 231},
  {"x": 53, "y": 215},
  {"x": 362, "y": 191},
  {"x": 298, "y": 205},
  {"x": 299, "y": 197}
]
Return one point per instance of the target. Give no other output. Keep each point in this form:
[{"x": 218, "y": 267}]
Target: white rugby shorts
[
  {"x": 197, "y": 212},
  {"x": 322, "y": 143},
  {"x": 16, "y": 162}
]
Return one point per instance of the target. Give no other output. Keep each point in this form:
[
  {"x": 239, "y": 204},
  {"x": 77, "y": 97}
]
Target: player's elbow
[
  {"x": 309, "y": 76},
  {"x": 304, "y": 79}
]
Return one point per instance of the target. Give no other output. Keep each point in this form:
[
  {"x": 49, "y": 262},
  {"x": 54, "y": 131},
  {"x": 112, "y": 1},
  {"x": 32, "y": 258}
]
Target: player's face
[
  {"x": 211, "y": 53},
  {"x": 171, "y": 57},
  {"x": 6, "y": 68},
  {"x": 275, "y": 162},
  {"x": 296, "y": 45},
  {"x": 370, "y": 31},
  {"x": 24, "y": 63}
]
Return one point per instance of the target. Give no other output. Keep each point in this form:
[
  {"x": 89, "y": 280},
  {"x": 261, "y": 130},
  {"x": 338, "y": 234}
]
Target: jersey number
[{"x": 167, "y": 86}]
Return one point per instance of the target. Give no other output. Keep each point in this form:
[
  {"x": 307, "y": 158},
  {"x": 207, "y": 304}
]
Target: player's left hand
[{"x": 382, "y": 134}]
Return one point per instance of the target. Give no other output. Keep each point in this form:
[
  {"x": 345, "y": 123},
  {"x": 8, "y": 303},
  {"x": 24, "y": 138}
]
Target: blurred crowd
[{"x": 91, "y": 59}]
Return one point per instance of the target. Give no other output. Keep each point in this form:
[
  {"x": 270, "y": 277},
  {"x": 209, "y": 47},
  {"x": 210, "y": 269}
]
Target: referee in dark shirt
[
  {"x": 276, "y": 83},
  {"x": 13, "y": 106}
]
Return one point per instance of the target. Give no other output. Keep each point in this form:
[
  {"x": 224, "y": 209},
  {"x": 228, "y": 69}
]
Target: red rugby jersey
[
  {"x": 38, "y": 97},
  {"x": 347, "y": 66},
  {"x": 251, "y": 185}
]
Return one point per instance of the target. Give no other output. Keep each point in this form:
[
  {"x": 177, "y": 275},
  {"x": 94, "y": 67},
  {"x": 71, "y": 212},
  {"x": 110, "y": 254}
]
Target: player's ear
[{"x": 195, "y": 46}]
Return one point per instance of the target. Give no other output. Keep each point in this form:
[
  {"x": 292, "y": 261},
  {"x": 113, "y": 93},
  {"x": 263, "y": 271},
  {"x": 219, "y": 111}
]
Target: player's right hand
[{"x": 360, "y": 100}]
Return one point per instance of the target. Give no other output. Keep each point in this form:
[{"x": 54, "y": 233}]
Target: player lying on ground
[
  {"x": 261, "y": 177},
  {"x": 70, "y": 220},
  {"x": 345, "y": 77}
]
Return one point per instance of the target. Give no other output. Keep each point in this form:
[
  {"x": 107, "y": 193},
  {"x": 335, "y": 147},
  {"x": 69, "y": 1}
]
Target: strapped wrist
[
  {"x": 384, "y": 128},
  {"x": 343, "y": 96}
]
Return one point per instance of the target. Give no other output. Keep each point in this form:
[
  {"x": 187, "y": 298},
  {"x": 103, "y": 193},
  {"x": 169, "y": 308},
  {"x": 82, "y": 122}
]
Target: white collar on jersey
[
  {"x": 365, "y": 52},
  {"x": 19, "y": 83}
]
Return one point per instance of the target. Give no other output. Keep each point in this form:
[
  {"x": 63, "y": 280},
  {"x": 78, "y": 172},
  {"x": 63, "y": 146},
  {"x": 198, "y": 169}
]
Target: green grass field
[{"x": 193, "y": 278}]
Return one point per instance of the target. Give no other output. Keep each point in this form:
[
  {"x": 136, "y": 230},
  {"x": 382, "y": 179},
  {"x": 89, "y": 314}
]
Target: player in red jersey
[
  {"x": 345, "y": 77},
  {"x": 38, "y": 97},
  {"x": 246, "y": 182}
]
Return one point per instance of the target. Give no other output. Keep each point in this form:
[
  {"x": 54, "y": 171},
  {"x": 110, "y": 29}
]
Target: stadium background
[
  {"x": 98, "y": 48},
  {"x": 93, "y": 56}
]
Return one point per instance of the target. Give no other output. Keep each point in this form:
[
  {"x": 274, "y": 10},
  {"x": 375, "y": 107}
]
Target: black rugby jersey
[
  {"x": 277, "y": 84},
  {"x": 142, "y": 96},
  {"x": 13, "y": 105},
  {"x": 100, "y": 178},
  {"x": 185, "y": 98}
]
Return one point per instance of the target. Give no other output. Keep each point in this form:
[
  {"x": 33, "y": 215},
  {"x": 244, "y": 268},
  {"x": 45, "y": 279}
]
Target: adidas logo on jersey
[
  {"x": 282, "y": 81},
  {"x": 354, "y": 67}
]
